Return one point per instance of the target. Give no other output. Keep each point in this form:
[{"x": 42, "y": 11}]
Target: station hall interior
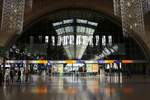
[{"x": 74, "y": 49}]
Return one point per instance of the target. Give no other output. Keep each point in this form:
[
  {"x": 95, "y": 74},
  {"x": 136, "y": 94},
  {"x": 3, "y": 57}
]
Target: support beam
[
  {"x": 117, "y": 8},
  {"x": 12, "y": 16},
  {"x": 1, "y": 7},
  {"x": 132, "y": 16}
]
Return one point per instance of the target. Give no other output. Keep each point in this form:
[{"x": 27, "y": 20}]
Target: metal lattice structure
[
  {"x": 1, "y": 7},
  {"x": 117, "y": 8},
  {"x": 132, "y": 16},
  {"x": 12, "y": 15}
]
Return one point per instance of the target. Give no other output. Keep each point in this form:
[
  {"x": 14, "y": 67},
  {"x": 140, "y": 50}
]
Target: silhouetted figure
[
  {"x": 12, "y": 75},
  {"x": 129, "y": 74},
  {"x": 3, "y": 74},
  {"x": 84, "y": 70},
  {"x": 7, "y": 76},
  {"x": 1, "y": 77},
  {"x": 26, "y": 75},
  {"x": 19, "y": 76},
  {"x": 50, "y": 71}
]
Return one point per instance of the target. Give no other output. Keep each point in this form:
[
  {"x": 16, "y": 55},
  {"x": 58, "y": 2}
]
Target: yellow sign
[
  {"x": 43, "y": 61},
  {"x": 70, "y": 61},
  {"x": 109, "y": 61},
  {"x": 95, "y": 67}
]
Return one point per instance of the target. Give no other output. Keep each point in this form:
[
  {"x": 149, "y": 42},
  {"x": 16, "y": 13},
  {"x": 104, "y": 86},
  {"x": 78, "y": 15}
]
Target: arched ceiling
[{"x": 43, "y": 7}]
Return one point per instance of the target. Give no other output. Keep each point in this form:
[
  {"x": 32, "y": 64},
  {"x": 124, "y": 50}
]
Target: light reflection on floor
[{"x": 79, "y": 88}]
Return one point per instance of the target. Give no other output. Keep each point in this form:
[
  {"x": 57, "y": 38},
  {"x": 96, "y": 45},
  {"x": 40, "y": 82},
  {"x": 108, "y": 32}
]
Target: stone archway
[
  {"x": 41, "y": 8},
  {"x": 114, "y": 19}
]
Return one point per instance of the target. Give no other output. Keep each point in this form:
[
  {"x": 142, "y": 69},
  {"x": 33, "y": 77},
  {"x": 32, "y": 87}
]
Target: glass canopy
[{"x": 80, "y": 31}]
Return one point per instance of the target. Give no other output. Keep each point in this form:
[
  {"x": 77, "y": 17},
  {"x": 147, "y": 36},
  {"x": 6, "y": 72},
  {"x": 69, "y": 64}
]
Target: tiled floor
[{"x": 79, "y": 88}]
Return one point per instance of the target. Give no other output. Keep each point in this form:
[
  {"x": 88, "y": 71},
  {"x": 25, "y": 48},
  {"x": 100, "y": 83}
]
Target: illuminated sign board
[
  {"x": 89, "y": 68},
  {"x": 95, "y": 67},
  {"x": 60, "y": 68},
  {"x": 75, "y": 61},
  {"x": 70, "y": 61}
]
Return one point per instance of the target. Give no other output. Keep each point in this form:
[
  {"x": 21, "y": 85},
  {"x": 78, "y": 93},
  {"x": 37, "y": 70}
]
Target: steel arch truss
[{"x": 13, "y": 15}]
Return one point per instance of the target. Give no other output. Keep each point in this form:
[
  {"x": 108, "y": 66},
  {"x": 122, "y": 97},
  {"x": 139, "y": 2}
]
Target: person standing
[
  {"x": 11, "y": 75},
  {"x": 19, "y": 75},
  {"x": 26, "y": 75},
  {"x": 7, "y": 76},
  {"x": 1, "y": 76}
]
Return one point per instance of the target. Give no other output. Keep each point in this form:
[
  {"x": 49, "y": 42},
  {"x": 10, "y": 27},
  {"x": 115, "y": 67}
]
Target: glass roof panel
[
  {"x": 82, "y": 21},
  {"x": 68, "y": 21},
  {"x": 92, "y": 23},
  {"x": 90, "y": 30},
  {"x": 57, "y": 23},
  {"x": 69, "y": 29},
  {"x": 80, "y": 29},
  {"x": 60, "y": 31}
]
